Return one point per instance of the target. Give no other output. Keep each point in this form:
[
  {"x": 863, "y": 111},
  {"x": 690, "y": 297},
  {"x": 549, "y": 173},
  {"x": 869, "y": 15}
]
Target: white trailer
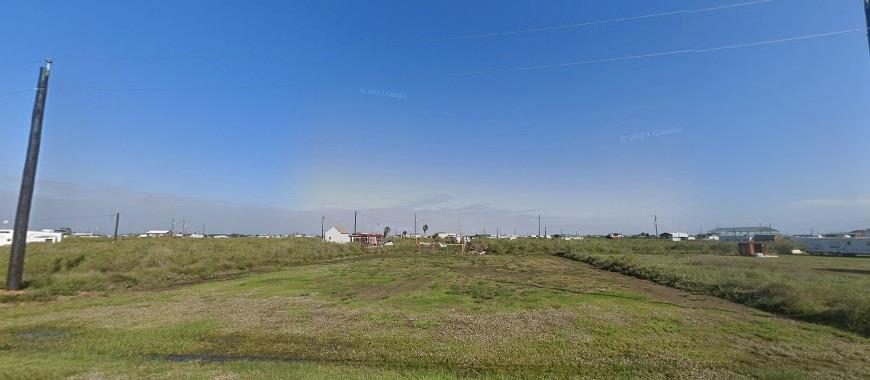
[
  {"x": 846, "y": 246},
  {"x": 32, "y": 237}
]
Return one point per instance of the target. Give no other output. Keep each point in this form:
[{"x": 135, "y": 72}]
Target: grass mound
[{"x": 95, "y": 265}]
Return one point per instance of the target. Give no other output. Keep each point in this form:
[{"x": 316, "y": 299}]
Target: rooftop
[{"x": 726, "y": 230}]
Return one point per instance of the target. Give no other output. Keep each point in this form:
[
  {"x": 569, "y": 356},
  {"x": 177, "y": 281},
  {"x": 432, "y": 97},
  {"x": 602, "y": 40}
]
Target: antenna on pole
[{"x": 28, "y": 182}]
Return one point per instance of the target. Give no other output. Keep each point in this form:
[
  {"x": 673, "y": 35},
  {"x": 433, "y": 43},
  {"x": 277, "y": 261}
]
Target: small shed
[
  {"x": 367, "y": 239},
  {"x": 752, "y": 248}
]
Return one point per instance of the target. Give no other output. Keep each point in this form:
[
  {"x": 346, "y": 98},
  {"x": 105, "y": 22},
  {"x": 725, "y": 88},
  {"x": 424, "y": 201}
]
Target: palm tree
[{"x": 425, "y": 229}]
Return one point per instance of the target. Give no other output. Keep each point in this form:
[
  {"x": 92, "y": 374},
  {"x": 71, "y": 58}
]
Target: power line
[
  {"x": 663, "y": 53},
  {"x": 72, "y": 218},
  {"x": 590, "y": 23},
  {"x": 20, "y": 64}
]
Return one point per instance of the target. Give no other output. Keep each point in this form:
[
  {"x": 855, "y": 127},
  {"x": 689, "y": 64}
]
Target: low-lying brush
[{"x": 809, "y": 288}]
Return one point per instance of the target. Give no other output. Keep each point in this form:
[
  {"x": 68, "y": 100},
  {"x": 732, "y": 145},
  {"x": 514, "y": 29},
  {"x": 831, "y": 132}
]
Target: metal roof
[
  {"x": 340, "y": 229},
  {"x": 727, "y": 230}
]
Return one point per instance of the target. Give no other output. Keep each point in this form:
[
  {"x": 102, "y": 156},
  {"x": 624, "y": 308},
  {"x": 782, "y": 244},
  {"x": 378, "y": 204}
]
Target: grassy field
[
  {"x": 828, "y": 290},
  {"x": 99, "y": 265},
  {"x": 422, "y": 316},
  {"x": 279, "y": 308}
]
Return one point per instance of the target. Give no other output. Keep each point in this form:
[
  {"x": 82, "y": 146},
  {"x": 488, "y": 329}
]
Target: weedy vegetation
[{"x": 294, "y": 308}]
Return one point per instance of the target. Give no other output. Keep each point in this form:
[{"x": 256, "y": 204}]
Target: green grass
[
  {"x": 98, "y": 265},
  {"x": 828, "y": 290},
  {"x": 298, "y": 308},
  {"x": 418, "y": 316}
]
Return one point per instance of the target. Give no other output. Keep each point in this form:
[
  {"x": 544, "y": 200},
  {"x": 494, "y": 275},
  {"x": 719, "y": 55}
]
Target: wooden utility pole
[
  {"x": 539, "y": 225},
  {"x": 117, "y": 219},
  {"x": 28, "y": 180},
  {"x": 322, "y": 232},
  {"x": 867, "y": 16}
]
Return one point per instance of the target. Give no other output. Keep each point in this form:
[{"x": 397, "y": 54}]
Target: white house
[
  {"x": 157, "y": 233},
  {"x": 32, "y": 237},
  {"x": 336, "y": 234}
]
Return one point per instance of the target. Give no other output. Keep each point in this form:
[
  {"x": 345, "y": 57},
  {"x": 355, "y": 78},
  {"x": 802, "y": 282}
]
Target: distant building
[
  {"x": 366, "y": 238},
  {"x": 336, "y": 234},
  {"x": 615, "y": 235},
  {"x": 860, "y": 233},
  {"x": 746, "y": 233},
  {"x": 841, "y": 245},
  {"x": 675, "y": 236},
  {"x": 32, "y": 237},
  {"x": 157, "y": 233}
]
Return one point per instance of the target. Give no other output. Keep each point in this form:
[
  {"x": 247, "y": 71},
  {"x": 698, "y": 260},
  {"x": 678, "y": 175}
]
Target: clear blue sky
[{"x": 262, "y": 115}]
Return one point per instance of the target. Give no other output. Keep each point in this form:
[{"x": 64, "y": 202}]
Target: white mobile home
[
  {"x": 845, "y": 245},
  {"x": 675, "y": 236}
]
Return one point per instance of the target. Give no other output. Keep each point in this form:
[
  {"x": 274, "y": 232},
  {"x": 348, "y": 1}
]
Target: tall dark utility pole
[
  {"x": 28, "y": 179},
  {"x": 539, "y": 225},
  {"x": 354, "y": 221},
  {"x": 117, "y": 219},
  {"x": 867, "y": 16}
]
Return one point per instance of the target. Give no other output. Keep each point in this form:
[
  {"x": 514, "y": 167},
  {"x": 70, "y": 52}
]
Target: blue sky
[{"x": 263, "y": 115}]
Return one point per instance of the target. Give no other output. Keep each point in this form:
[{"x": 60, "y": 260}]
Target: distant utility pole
[
  {"x": 415, "y": 224},
  {"x": 172, "y": 228},
  {"x": 539, "y": 225},
  {"x": 117, "y": 219},
  {"x": 354, "y": 221},
  {"x": 656, "y": 224},
  {"x": 28, "y": 181},
  {"x": 322, "y": 232}
]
